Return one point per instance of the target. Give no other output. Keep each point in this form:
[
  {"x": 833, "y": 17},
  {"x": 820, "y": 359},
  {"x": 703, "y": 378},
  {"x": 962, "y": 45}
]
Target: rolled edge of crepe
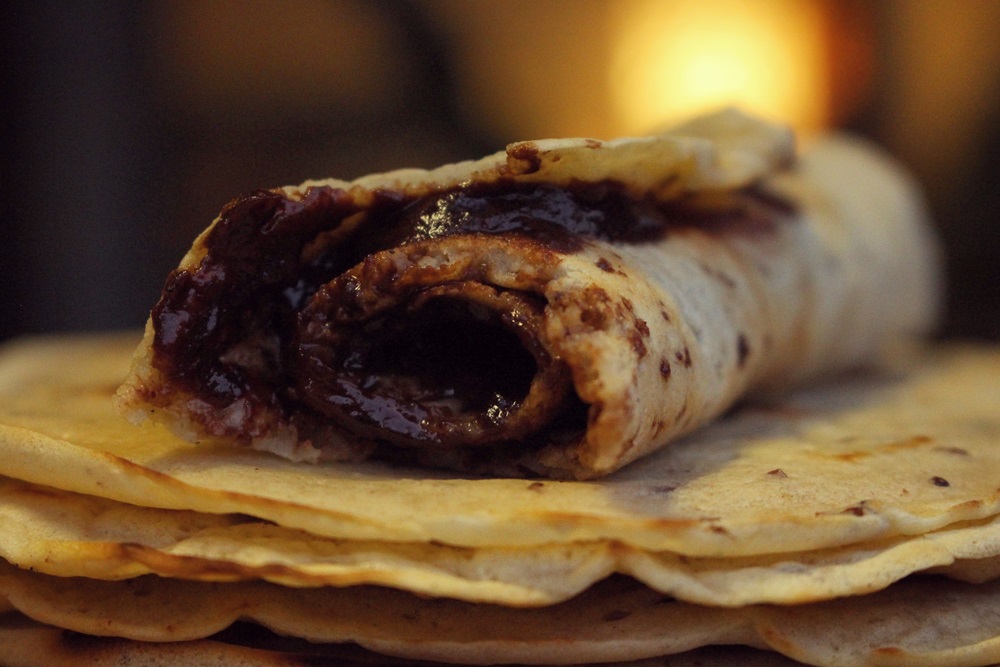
[{"x": 559, "y": 309}]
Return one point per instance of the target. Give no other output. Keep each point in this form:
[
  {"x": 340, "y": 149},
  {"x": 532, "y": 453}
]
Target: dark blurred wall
[
  {"x": 970, "y": 227},
  {"x": 129, "y": 125},
  {"x": 936, "y": 104},
  {"x": 80, "y": 162}
]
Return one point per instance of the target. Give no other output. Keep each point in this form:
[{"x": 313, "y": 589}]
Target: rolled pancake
[{"x": 561, "y": 308}]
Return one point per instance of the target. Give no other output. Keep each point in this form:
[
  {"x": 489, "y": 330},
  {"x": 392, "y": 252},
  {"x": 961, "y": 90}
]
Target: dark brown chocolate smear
[
  {"x": 227, "y": 329},
  {"x": 455, "y": 364}
]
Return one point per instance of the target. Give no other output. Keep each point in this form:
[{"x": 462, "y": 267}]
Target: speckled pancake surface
[
  {"x": 924, "y": 621},
  {"x": 902, "y": 451},
  {"x": 69, "y": 535}
]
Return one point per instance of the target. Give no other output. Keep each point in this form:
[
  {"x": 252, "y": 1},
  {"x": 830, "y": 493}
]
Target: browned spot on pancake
[
  {"x": 637, "y": 328},
  {"x": 666, "y": 317},
  {"x": 536, "y": 486},
  {"x": 605, "y": 265},
  {"x": 595, "y": 308},
  {"x": 637, "y": 332},
  {"x": 890, "y": 448},
  {"x": 742, "y": 350},
  {"x": 525, "y": 153},
  {"x": 778, "y": 472},
  {"x": 665, "y": 369},
  {"x": 642, "y": 327},
  {"x": 952, "y": 450},
  {"x": 637, "y": 345},
  {"x": 857, "y": 510},
  {"x": 940, "y": 481},
  {"x": 684, "y": 357},
  {"x": 967, "y": 505}
]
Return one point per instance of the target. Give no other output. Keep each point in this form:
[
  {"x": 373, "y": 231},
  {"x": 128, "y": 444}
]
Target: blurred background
[{"x": 127, "y": 126}]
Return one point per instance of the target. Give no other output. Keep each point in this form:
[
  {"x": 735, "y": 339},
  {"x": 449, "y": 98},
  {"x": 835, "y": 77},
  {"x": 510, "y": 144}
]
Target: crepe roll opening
[{"x": 451, "y": 365}]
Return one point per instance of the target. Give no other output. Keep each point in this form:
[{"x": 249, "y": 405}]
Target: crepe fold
[{"x": 561, "y": 308}]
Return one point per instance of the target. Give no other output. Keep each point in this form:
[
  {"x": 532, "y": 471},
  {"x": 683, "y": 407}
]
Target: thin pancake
[
  {"x": 900, "y": 452},
  {"x": 65, "y": 534},
  {"x": 26, "y": 643},
  {"x": 924, "y": 621}
]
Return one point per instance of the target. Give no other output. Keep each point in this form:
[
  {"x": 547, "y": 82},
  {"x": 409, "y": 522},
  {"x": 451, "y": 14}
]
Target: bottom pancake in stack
[{"x": 853, "y": 522}]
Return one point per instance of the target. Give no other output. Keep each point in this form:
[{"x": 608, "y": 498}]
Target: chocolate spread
[{"x": 262, "y": 319}]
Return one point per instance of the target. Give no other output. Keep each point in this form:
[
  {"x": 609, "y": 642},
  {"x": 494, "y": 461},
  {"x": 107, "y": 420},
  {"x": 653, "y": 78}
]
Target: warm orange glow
[{"x": 675, "y": 59}]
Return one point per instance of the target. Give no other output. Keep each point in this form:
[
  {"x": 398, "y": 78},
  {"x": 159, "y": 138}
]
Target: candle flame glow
[{"x": 672, "y": 60}]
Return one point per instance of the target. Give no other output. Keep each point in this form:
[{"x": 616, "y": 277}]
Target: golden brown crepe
[
  {"x": 903, "y": 451},
  {"x": 561, "y": 308},
  {"x": 26, "y": 643},
  {"x": 71, "y": 535},
  {"x": 923, "y": 621},
  {"x": 836, "y": 491}
]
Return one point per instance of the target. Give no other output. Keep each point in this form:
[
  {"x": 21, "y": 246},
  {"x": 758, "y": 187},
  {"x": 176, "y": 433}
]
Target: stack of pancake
[{"x": 735, "y": 452}]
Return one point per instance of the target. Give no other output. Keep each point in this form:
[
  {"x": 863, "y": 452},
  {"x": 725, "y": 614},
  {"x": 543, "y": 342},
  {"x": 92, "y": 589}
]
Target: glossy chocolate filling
[
  {"x": 457, "y": 364},
  {"x": 272, "y": 318}
]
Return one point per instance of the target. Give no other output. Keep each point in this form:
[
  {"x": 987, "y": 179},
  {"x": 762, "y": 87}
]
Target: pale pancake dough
[
  {"x": 904, "y": 451},
  {"x": 61, "y": 533},
  {"x": 923, "y": 621}
]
